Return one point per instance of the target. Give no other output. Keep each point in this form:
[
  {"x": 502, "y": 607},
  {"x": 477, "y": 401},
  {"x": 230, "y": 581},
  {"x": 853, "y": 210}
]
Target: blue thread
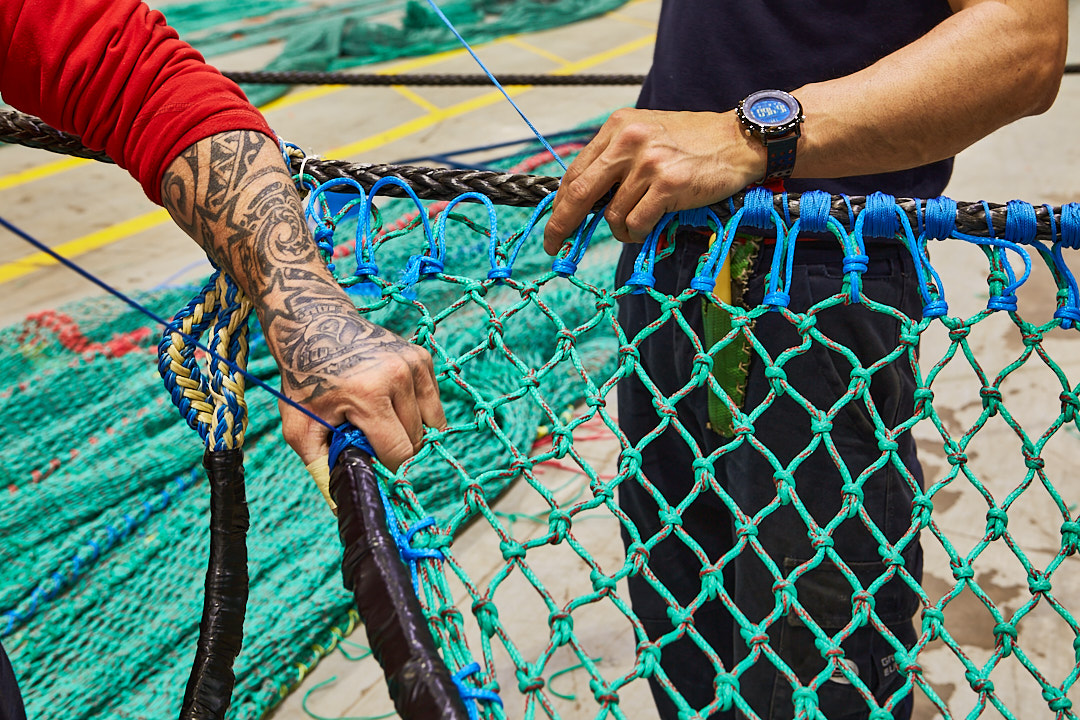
[
  {"x": 1070, "y": 225},
  {"x": 705, "y": 279},
  {"x": 499, "y": 272},
  {"x": 1069, "y": 312},
  {"x": 346, "y": 435},
  {"x": 850, "y": 227},
  {"x": 643, "y": 277},
  {"x": 758, "y": 209},
  {"x": 940, "y": 217},
  {"x": 475, "y": 694},
  {"x": 879, "y": 216},
  {"x": 814, "y": 209},
  {"x": 787, "y": 207},
  {"x": 567, "y": 265},
  {"x": 450, "y": 25},
  {"x": 1020, "y": 223}
]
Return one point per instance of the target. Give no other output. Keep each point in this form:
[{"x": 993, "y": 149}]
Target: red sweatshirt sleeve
[{"x": 113, "y": 73}]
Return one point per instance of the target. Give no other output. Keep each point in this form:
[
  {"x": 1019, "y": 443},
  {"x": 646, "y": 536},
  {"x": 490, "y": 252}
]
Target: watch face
[{"x": 771, "y": 108}]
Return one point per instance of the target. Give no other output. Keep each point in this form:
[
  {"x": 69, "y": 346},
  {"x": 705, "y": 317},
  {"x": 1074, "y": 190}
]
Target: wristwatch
[{"x": 774, "y": 117}]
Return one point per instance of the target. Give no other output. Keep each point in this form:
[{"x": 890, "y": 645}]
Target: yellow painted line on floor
[
  {"x": 40, "y": 172},
  {"x": 650, "y": 24},
  {"x": 415, "y": 98},
  {"x": 425, "y": 121},
  {"x": 529, "y": 47},
  {"x": 78, "y": 246}
]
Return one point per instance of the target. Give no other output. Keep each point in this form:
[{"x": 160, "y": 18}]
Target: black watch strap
[{"x": 780, "y": 157}]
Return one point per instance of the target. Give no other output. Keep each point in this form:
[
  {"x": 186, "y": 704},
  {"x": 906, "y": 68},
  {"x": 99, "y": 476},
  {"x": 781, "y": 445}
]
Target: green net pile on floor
[
  {"x": 338, "y": 35},
  {"x": 104, "y": 520}
]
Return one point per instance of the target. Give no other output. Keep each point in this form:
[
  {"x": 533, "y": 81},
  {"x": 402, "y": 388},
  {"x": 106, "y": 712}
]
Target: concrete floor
[{"x": 109, "y": 228}]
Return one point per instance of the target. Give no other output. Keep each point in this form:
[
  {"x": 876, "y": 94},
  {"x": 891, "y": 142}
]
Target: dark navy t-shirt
[{"x": 710, "y": 54}]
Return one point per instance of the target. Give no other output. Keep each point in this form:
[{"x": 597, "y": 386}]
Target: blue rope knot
[
  {"x": 856, "y": 264},
  {"x": 1020, "y": 222},
  {"x": 703, "y": 284},
  {"x": 477, "y": 695},
  {"x": 940, "y": 217},
  {"x": 563, "y": 267},
  {"x": 1002, "y": 302},
  {"x": 879, "y": 216},
  {"x": 776, "y": 299},
  {"x": 501, "y": 272},
  {"x": 640, "y": 280},
  {"x": 936, "y": 308},
  {"x": 758, "y": 208},
  {"x": 410, "y": 553},
  {"x": 814, "y": 209}
]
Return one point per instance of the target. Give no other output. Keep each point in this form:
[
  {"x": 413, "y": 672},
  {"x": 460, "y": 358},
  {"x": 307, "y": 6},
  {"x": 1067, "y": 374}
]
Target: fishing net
[{"x": 510, "y": 517}]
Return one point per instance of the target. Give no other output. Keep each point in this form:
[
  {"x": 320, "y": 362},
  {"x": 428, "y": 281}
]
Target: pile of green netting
[
  {"x": 105, "y": 511},
  {"x": 320, "y": 36}
]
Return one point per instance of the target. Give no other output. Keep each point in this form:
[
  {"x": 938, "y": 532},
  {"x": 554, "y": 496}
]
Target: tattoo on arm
[{"x": 232, "y": 195}]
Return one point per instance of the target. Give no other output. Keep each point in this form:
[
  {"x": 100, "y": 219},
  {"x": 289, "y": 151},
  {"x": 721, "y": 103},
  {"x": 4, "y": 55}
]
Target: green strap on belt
[{"x": 731, "y": 363}]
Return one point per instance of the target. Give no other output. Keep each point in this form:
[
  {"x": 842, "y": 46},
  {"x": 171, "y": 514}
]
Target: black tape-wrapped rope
[
  {"x": 511, "y": 189},
  {"x": 448, "y": 80},
  {"x": 221, "y": 633},
  {"x": 419, "y": 681}
]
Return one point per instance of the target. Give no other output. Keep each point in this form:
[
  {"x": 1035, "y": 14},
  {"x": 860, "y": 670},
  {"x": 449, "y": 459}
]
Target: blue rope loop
[
  {"x": 1069, "y": 312},
  {"x": 345, "y": 435},
  {"x": 566, "y": 265},
  {"x": 758, "y": 210},
  {"x": 940, "y": 218},
  {"x": 878, "y": 219},
  {"x": 709, "y": 267},
  {"x": 643, "y": 277},
  {"x": 477, "y": 695},
  {"x": 499, "y": 272}
]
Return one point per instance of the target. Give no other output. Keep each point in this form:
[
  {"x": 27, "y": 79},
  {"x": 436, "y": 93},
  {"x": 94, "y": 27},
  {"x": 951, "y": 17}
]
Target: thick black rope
[
  {"x": 373, "y": 79},
  {"x": 263, "y": 77},
  {"x": 505, "y": 188},
  {"x": 221, "y": 632},
  {"x": 372, "y": 569}
]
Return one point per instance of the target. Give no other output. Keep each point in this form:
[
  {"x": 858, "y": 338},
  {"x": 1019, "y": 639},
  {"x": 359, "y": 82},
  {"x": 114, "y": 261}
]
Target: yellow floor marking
[
  {"x": 39, "y": 172},
  {"x": 529, "y": 47},
  {"x": 127, "y": 228},
  {"x": 78, "y": 246},
  {"x": 425, "y": 121},
  {"x": 650, "y": 24},
  {"x": 414, "y": 98}
]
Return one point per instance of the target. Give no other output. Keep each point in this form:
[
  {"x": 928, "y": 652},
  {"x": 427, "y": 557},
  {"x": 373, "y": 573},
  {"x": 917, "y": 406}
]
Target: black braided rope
[
  {"x": 340, "y": 78},
  {"x": 505, "y": 188},
  {"x": 263, "y": 77}
]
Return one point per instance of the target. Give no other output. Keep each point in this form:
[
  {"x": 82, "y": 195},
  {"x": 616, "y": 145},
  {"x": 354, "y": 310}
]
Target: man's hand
[
  {"x": 231, "y": 193},
  {"x": 661, "y": 162}
]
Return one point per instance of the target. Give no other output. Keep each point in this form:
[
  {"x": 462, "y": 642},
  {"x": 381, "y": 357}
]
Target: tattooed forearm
[{"x": 231, "y": 193}]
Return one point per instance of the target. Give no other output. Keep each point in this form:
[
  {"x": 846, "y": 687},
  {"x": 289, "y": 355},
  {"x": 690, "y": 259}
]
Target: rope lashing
[{"x": 297, "y": 77}]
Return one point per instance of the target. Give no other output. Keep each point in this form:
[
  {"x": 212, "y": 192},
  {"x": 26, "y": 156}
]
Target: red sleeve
[{"x": 113, "y": 73}]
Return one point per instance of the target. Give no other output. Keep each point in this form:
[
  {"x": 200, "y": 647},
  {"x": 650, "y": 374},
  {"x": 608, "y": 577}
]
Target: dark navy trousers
[
  {"x": 11, "y": 704},
  {"x": 821, "y": 375}
]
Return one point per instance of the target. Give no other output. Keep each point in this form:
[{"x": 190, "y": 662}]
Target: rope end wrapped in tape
[{"x": 319, "y": 470}]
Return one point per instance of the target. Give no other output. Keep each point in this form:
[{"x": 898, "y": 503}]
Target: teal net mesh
[{"x": 104, "y": 514}]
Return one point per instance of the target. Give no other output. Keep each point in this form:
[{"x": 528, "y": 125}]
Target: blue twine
[
  {"x": 475, "y": 694},
  {"x": 940, "y": 217},
  {"x": 1020, "y": 223},
  {"x": 90, "y": 552},
  {"x": 643, "y": 277},
  {"x": 450, "y": 25},
  {"x": 500, "y": 272},
  {"x": 878, "y": 219},
  {"x": 814, "y": 211},
  {"x": 1069, "y": 312},
  {"x": 1070, "y": 225},
  {"x": 757, "y": 209}
]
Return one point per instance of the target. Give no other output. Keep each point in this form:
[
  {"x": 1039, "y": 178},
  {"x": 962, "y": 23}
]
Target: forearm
[
  {"x": 985, "y": 66},
  {"x": 230, "y": 192}
]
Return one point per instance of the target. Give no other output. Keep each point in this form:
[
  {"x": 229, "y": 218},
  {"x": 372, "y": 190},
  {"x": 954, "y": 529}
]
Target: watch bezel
[{"x": 767, "y": 130}]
